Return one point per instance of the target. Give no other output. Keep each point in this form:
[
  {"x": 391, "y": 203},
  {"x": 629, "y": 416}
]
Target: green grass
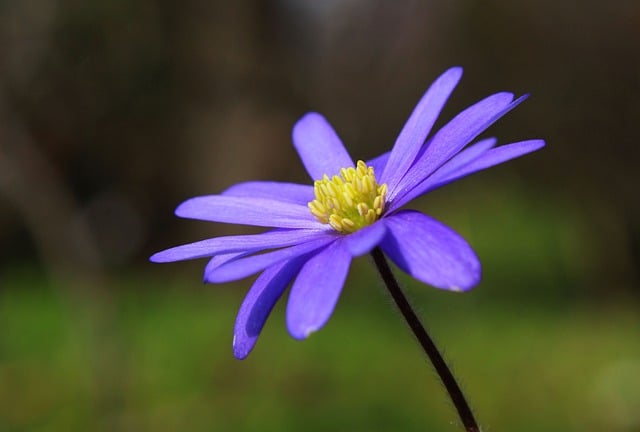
[{"x": 159, "y": 359}]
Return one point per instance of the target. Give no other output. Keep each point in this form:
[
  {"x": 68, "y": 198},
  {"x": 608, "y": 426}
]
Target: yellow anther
[{"x": 350, "y": 201}]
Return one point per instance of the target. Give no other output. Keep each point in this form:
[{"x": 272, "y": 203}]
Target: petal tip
[
  {"x": 301, "y": 333},
  {"x": 311, "y": 116},
  {"x": 180, "y": 211},
  {"x": 298, "y": 329},
  {"x": 194, "y": 207},
  {"x": 159, "y": 257},
  {"x": 463, "y": 288},
  {"x": 240, "y": 350},
  {"x": 472, "y": 280},
  {"x": 455, "y": 71},
  {"x": 539, "y": 144}
]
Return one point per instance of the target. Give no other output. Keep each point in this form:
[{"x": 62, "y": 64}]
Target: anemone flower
[{"x": 351, "y": 209}]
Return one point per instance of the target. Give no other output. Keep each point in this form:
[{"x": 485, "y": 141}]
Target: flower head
[
  {"x": 350, "y": 209},
  {"x": 350, "y": 201}
]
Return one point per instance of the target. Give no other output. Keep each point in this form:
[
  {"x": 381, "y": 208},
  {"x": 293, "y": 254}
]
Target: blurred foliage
[
  {"x": 165, "y": 364},
  {"x": 112, "y": 112}
]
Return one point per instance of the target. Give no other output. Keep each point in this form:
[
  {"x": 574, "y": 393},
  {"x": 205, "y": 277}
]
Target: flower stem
[{"x": 458, "y": 399}]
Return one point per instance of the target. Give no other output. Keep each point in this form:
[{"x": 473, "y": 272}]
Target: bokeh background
[{"x": 114, "y": 111}]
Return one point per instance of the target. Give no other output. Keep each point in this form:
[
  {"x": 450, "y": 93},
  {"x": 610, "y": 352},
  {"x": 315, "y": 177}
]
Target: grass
[{"x": 159, "y": 359}]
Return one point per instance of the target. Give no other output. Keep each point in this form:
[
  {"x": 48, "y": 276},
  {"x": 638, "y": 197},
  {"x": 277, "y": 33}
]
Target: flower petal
[
  {"x": 319, "y": 147},
  {"x": 365, "y": 239},
  {"x": 224, "y": 245},
  {"x": 453, "y": 137},
  {"x": 259, "y": 302},
  {"x": 482, "y": 161},
  {"x": 285, "y": 192},
  {"x": 246, "y": 266},
  {"x": 378, "y": 163},
  {"x": 430, "y": 251},
  {"x": 461, "y": 159},
  {"x": 315, "y": 291},
  {"x": 491, "y": 158},
  {"x": 248, "y": 211},
  {"x": 219, "y": 260},
  {"x": 465, "y": 156},
  {"x": 417, "y": 128}
]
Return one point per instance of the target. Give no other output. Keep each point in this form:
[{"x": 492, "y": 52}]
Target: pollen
[{"x": 350, "y": 201}]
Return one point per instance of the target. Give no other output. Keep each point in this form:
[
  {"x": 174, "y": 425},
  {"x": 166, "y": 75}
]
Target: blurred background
[{"x": 112, "y": 112}]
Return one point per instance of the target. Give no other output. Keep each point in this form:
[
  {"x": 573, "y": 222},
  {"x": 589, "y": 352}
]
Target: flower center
[{"x": 350, "y": 201}]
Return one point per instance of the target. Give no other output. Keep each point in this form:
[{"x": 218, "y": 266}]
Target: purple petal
[
  {"x": 430, "y": 251},
  {"x": 259, "y": 302},
  {"x": 482, "y": 161},
  {"x": 285, "y": 192},
  {"x": 365, "y": 239},
  {"x": 246, "y": 266},
  {"x": 461, "y": 159},
  {"x": 219, "y": 260},
  {"x": 453, "y": 137},
  {"x": 378, "y": 163},
  {"x": 465, "y": 156},
  {"x": 319, "y": 147},
  {"x": 491, "y": 158},
  {"x": 224, "y": 245},
  {"x": 248, "y": 211},
  {"x": 417, "y": 128},
  {"x": 315, "y": 291}
]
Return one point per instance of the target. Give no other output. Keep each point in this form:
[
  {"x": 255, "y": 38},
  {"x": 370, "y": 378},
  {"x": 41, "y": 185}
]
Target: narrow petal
[
  {"x": 224, "y": 245},
  {"x": 453, "y": 137},
  {"x": 430, "y": 251},
  {"x": 461, "y": 159},
  {"x": 483, "y": 161},
  {"x": 417, "y": 128},
  {"x": 285, "y": 192},
  {"x": 491, "y": 158},
  {"x": 315, "y": 291},
  {"x": 259, "y": 302},
  {"x": 465, "y": 156},
  {"x": 246, "y": 266},
  {"x": 378, "y": 163},
  {"x": 248, "y": 211},
  {"x": 219, "y": 260},
  {"x": 365, "y": 239},
  {"x": 319, "y": 147}
]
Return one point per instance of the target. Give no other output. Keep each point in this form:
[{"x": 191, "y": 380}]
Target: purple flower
[{"x": 351, "y": 209}]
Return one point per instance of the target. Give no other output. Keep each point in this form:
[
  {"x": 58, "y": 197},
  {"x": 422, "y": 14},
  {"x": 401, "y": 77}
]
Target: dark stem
[{"x": 458, "y": 399}]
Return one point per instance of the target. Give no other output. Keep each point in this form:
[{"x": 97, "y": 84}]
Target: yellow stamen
[{"x": 350, "y": 201}]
